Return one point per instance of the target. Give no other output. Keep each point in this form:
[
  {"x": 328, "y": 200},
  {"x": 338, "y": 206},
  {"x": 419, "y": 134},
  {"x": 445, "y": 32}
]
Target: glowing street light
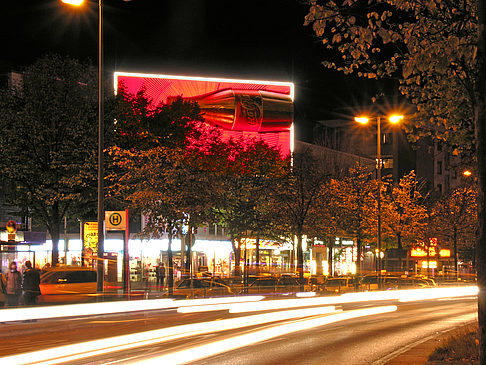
[
  {"x": 73, "y": 2},
  {"x": 467, "y": 173},
  {"x": 362, "y": 120},
  {"x": 393, "y": 119}
]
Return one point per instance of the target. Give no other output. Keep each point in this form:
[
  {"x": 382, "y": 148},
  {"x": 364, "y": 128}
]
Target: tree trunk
[
  {"x": 455, "y": 252},
  {"x": 190, "y": 243},
  {"x": 358, "y": 255},
  {"x": 54, "y": 232},
  {"x": 480, "y": 130},
  {"x": 358, "y": 260},
  {"x": 257, "y": 255},
  {"x": 330, "y": 256},
  {"x": 170, "y": 277},
  {"x": 300, "y": 261},
  {"x": 399, "y": 245},
  {"x": 237, "y": 251}
]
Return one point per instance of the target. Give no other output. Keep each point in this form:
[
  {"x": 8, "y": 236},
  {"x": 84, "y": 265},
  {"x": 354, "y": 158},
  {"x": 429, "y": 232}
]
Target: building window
[
  {"x": 439, "y": 146},
  {"x": 439, "y": 188},
  {"x": 439, "y": 167},
  {"x": 454, "y": 174},
  {"x": 387, "y": 138}
]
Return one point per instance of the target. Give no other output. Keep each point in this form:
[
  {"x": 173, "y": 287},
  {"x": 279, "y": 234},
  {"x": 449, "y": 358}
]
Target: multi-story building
[{"x": 347, "y": 136}]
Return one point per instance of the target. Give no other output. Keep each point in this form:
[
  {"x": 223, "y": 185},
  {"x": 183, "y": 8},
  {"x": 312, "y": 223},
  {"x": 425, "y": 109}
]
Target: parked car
[
  {"x": 68, "y": 280},
  {"x": 339, "y": 285},
  {"x": 370, "y": 282},
  {"x": 202, "y": 287},
  {"x": 274, "y": 285},
  {"x": 414, "y": 283}
]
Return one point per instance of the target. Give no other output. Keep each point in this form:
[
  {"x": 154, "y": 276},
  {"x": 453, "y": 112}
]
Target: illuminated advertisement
[{"x": 240, "y": 108}]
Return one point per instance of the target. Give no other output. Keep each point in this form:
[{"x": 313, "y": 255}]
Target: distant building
[{"x": 361, "y": 140}]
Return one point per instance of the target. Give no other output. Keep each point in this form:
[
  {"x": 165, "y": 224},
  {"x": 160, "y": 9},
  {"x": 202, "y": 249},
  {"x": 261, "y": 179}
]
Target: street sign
[
  {"x": 116, "y": 220},
  {"x": 11, "y": 227}
]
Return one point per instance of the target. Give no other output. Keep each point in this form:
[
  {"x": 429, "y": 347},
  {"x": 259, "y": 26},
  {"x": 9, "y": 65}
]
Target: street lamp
[
  {"x": 101, "y": 213},
  {"x": 393, "y": 119}
]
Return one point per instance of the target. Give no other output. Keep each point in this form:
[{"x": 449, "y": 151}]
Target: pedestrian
[
  {"x": 30, "y": 284},
  {"x": 14, "y": 285},
  {"x": 3, "y": 289},
  {"x": 160, "y": 273}
]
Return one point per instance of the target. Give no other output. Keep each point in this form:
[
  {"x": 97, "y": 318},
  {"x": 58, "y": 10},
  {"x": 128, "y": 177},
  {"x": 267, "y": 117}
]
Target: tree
[
  {"x": 158, "y": 168},
  {"x": 429, "y": 47},
  {"x": 405, "y": 216},
  {"x": 454, "y": 219},
  {"x": 248, "y": 172},
  {"x": 296, "y": 198},
  {"x": 355, "y": 197},
  {"x": 437, "y": 50},
  {"x": 49, "y": 153},
  {"x": 153, "y": 182}
]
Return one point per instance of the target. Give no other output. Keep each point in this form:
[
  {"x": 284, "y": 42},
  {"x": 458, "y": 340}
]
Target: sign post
[{"x": 118, "y": 221}]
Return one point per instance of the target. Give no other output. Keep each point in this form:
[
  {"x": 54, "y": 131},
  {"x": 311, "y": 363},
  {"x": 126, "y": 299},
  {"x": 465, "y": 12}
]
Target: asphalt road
[{"x": 372, "y": 339}]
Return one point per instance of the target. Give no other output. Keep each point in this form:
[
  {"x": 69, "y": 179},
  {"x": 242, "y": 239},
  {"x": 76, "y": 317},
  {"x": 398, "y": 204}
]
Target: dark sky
[{"x": 256, "y": 39}]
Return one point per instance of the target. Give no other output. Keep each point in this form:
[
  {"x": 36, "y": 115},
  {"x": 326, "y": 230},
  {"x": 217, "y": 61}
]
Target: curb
[{"x": 418, "y": 353}]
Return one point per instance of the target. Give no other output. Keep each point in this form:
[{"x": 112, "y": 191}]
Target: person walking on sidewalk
[
  {"x": 160, "y": 273},
  {"x": 30, "y": 284},
  {"x": 14, "y": 285}
]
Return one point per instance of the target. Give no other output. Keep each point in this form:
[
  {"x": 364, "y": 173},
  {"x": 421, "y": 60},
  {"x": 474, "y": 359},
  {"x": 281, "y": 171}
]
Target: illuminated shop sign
[{"x": 421, "y": 251}]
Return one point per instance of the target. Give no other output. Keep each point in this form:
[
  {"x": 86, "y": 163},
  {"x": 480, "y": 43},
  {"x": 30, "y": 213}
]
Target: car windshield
[
  {"x": 69, "y": 277},
  {"x": 265, "y": 282},
  {"x": 287, "y": 281},
  {"x": 336, "y": 282},
  {"x": 191, "y": 283},
  {"x": 370, "y": 280}
]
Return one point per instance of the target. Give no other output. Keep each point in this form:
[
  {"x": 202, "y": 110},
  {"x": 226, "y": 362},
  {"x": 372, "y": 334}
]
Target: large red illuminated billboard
[{"x": 240, "y": 108}]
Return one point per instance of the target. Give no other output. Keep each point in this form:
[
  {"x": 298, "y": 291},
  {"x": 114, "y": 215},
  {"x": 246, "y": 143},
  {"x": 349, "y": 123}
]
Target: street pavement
[{"x": 370, "y": 339}]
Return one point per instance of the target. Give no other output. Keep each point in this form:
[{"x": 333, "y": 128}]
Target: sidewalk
[{"x": 418, "y": 355}]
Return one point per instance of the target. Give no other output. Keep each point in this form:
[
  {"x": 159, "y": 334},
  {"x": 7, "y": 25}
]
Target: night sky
[{"x": 255, "y": 39}]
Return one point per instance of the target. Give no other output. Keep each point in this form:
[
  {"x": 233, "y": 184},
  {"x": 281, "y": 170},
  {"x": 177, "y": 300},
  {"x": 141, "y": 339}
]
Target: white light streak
[
  {"x": 113, "y": 344},
  {"x": 88, "y": 309},
  {"x": 436, "y": 293},
  {"x": 389, "y": 295},
  {"x": 253, "y": 337}
]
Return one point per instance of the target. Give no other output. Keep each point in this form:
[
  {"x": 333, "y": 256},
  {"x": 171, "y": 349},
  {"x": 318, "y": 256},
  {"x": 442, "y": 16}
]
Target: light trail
[
  {"x": 89, "y": 309},
  {"x": 126, "y": 342},
  {"x": 225, "y": 303},
  {"x": 361, "y": 297},
  {"x": 439, "y": 293},
  {"x": 214, "y": 348}
]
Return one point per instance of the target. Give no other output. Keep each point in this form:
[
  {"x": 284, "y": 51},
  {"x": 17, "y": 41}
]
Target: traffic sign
[
  {"x": 116, "y": 220},
  {"x": 11, "y": 226}
]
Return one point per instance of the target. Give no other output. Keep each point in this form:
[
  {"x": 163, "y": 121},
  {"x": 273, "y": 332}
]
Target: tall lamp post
[
  {"x": 393, "y": 119},
  {"x": 101, "y": 213}
]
